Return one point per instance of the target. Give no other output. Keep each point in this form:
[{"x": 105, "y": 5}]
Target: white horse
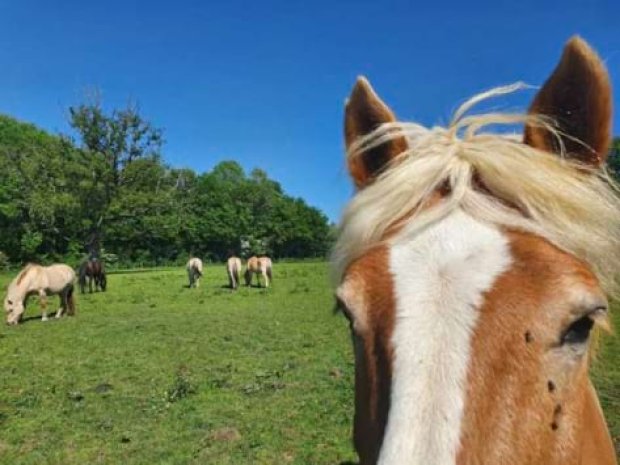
[
  {"x": 43, "y": 281},
  {"x": 233, "y": 268},
  {"x": 194, "y": 271}
]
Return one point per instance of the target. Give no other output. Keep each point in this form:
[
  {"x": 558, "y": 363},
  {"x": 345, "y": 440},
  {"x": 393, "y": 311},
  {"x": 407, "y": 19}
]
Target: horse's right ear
[
  {"x": 365, "y": 112},
  {"x": 577, "y": 97}
]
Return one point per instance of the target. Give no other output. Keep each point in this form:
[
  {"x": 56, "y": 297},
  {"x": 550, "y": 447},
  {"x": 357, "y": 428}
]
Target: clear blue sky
[{"x": 264, "y": 82}]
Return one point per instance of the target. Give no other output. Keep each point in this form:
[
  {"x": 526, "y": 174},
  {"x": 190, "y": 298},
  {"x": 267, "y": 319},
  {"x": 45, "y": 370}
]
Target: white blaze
[{"x": 440, "y": 276}]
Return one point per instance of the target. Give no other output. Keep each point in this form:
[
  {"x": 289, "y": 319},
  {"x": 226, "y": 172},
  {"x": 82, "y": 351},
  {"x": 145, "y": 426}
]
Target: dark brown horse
[{"x": 94, "y": 270}]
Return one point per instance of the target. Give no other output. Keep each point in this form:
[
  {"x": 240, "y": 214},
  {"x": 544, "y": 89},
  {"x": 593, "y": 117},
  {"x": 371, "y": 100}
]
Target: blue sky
[{"x": 264, "y": 82}]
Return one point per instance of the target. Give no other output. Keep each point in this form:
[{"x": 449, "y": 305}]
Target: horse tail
[
  {"x": 233, "y": 274},
  {"x": 70, "y": 301},
  {"x": 248, "y": 275},
  {"x": 236, "y": 273},
  {"x": 82, "y": 276},
  {"x": 231, "y": 277},
  {"x": 104, "y": 281}
]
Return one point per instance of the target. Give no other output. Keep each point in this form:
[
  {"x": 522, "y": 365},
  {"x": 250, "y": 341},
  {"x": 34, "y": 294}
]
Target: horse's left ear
[
  {"x": 577, "y": 97},
  {"x": 365, "y": 112}
]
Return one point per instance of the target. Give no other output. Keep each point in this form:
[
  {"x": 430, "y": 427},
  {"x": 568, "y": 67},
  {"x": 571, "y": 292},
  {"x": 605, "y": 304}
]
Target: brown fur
[
  {"x": 533, "y": 297},
  {"x": 578, "y": 97},
  {"x": 70, "y": 302},
  {"x": 373, "y": 350},
  {"x": 259, "y": 266},
  {"x": 528, "y": 402},
  {"x": 365, "y": 112}
]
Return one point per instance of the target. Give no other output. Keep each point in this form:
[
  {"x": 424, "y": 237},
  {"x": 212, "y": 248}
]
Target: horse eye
[
  {"x": 10, "y": 302},
  {"x": 579, "y": 331}
]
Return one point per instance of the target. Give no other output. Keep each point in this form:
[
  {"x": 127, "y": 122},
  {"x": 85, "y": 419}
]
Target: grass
[{"x": 151, "y": 372}]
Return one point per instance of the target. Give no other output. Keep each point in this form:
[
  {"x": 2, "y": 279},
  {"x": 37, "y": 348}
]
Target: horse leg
[
  {"x": 90, "y": 284},
  {"x": 43, "y": 304},
  {"x": 63, "y": 304},
  {"x": 265, "y": 278}
]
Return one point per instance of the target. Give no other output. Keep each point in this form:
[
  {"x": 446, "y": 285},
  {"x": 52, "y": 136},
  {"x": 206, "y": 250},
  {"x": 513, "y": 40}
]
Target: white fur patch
[{"x": 440, "y": 276}]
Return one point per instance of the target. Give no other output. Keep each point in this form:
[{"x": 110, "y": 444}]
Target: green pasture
[{"x": 151, "y": 372}]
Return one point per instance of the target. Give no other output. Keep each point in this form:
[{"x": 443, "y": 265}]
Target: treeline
[
  {"x": 614, "y": 159},
  {"x": 108, "y": 189}
]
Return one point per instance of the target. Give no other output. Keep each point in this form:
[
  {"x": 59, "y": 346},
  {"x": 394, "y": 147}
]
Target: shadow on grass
[
  {"x": 227, "y": 286},
  {"x": 50, "y": 316}
]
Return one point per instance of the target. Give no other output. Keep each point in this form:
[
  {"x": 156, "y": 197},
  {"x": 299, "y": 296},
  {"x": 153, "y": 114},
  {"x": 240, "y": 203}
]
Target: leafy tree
[
  {"x": 614, "y": 159},
  {"x": 57, "y": 195},
  {"x": 113, "y": 142},
  {"x": 39, "y": 198}
]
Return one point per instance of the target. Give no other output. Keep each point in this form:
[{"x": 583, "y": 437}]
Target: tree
[
  {"x": 113, "y": 142},
  {"x": 39, "y": 199},
  {"x": 56, "y": 196},
  {"x": 614, "y": 159}
]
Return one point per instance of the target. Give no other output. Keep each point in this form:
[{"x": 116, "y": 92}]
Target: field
[{"x": 151, "y": 372}]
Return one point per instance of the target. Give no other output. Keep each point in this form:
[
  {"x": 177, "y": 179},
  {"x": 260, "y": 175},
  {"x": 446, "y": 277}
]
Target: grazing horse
[
  {"x": 233, "y": 269},
  {"x": 94, "y": 270},
  {"x": 473, "y": 268},
  {"x": 42, "y": 281},
  {"x": 194, "y": 271},
  {"x": 259, "y": 266}
]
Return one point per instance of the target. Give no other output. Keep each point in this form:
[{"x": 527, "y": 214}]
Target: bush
[{"x": 4, "y": 261}]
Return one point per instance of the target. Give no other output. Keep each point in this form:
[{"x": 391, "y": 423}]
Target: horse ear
[
  {"x": 365, "y": 112},
  {"x": 577, "y": 97}
]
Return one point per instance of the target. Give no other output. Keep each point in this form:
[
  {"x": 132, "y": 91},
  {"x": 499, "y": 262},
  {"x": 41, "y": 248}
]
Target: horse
[
  {"x": 194, "y": 271},
  {"x": 42, "y": 281},
  {"x": 93, "y": 270},
  {"x": 233, "y": 269},
  {"x": 259, "y": 266},
  {"x": 474, "y": 270}
]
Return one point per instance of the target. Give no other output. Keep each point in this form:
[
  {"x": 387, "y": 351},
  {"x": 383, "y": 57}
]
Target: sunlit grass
[{"x": 151, "y": 372}]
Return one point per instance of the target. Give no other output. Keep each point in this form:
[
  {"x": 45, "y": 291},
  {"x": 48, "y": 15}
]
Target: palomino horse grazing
[
  {"x": 233, "y": 269},
  {"x": 472, "y": 268},
  {"x": 194, "y": 271},
  {"x": 43, "y": 281},
  {"x": 92, "y": 270},
  {"x": 259, "y": 266}
]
